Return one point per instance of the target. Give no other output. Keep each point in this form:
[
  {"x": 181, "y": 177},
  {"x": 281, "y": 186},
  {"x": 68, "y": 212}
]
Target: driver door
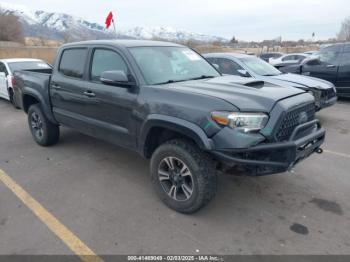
[{"x": 110, "y": 107}]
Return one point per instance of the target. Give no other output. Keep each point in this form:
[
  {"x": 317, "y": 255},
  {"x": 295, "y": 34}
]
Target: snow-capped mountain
[
  {"x": 54, "y": 25},
  {"x": 61, "y": 26},
  {"x": 169, "y": 33}
]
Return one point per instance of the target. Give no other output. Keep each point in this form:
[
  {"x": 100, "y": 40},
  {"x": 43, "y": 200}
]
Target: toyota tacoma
[{"x": 166, "y": 102}]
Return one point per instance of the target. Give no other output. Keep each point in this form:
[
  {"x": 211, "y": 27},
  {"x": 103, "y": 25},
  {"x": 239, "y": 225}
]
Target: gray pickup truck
[{"x": 169, "y": 104}]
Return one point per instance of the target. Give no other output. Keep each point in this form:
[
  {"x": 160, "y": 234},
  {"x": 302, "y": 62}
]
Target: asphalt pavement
[{"x": 102, "y": 195}]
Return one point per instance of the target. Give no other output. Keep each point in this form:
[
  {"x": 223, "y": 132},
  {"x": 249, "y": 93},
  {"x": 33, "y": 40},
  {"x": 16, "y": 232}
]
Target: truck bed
[{"x": 33, "y": 81}]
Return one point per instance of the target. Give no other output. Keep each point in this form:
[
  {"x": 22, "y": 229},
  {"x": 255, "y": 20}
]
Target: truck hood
[
  {"x": 260, "y": 98},
  {"x": 299, "y": 81}
]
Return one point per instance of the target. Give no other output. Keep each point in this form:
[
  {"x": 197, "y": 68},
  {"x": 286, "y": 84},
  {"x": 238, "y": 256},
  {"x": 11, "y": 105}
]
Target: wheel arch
[
  {"x": 31, "y": 97},
  {"x": 159, "y": 128}
]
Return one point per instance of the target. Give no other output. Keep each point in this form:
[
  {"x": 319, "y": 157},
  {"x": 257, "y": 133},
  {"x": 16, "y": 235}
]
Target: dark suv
[
  {"x": 167, "y": 103},
  {"x": 331, "y": 63}
]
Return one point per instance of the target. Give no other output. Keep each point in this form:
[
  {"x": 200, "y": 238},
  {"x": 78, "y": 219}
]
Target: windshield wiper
[
  {"x": 183, "y": 80},
  {"x": 200, "y": 77},
  {"x": 169, "y": 82},
  {"x": 270, "y": 75}
]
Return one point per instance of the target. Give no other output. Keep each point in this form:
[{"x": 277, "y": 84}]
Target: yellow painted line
[
  {"x": 336, "y": 153},
  {"x": 61, "y": 231}
]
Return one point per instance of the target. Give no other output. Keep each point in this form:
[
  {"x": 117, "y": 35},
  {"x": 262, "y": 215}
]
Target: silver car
[{"x": 253, "y": 67}]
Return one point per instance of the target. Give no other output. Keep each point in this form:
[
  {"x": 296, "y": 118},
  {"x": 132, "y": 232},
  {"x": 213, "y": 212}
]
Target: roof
[
  {"x": 228, "y": 55},
  {"x": 13, "y": 60},
  {"x": 124, "y": 43}
]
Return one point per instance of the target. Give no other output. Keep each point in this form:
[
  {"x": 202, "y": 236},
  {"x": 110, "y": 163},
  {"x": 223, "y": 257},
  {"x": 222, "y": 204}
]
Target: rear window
[
  {"x": 28, "y": 65},
  {"x": 73, "y": 62}
]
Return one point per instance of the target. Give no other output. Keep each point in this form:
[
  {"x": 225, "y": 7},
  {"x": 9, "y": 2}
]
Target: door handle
[
  {"x": 89, "y": 94},
  {"x": 330, "y": 66},
  {"x": 56, "y": 86}
]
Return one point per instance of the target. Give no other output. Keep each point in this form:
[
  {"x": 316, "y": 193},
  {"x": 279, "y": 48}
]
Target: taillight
[{"x": 13, "y": 81}]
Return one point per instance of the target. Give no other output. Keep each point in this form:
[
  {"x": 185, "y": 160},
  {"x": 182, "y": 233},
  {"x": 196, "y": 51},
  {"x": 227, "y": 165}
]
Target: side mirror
[
  {"x": 117, "y": 77},
  {"x": 243, "y": 73},
  {"x": 2, "y": 74}
]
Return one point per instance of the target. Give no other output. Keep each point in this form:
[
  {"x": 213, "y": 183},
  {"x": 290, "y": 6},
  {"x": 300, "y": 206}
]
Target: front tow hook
[{"x": 319, "y": 150}]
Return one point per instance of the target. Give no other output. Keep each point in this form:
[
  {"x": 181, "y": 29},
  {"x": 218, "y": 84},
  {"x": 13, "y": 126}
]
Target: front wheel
[
  {"x": 44, "y": 132},
  {"x": 183, "y": 176}
]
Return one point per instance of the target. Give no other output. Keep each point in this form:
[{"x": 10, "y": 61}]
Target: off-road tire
[
  {"x": 200, "y": 164},
  {"x": 50, "y": 132}
]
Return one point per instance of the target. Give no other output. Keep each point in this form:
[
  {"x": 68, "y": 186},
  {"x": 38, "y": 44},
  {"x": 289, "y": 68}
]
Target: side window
[
  {"x": 346, "y": 59},
  {"x": 288, "y": 58},
  {"x": 211, "y": 60},
  {"x": 299, "y": 57},
  {"x": 228, "y": 67},
  {"x": 347, "y": 48},
  {"x": 73, "y": 62},
  {"x": 106, "y": 60},
  {"x": 329, "y": 55},
  {"x": 277, "y": 55},
  {"x": 3, "y": 69}
]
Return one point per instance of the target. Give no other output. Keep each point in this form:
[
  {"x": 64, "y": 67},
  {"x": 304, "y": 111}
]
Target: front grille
[{"x": 292, "y": 119}]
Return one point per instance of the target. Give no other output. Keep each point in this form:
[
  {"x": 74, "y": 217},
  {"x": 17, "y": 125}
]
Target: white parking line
[{"x": 336, "y": 153}]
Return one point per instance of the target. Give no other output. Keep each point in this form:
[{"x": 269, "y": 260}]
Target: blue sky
[{"x": 247, "y": 19}]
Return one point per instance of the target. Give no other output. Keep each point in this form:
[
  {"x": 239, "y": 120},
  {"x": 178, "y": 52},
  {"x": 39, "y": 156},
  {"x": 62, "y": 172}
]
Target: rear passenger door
[{"x": 67, "y": 88}]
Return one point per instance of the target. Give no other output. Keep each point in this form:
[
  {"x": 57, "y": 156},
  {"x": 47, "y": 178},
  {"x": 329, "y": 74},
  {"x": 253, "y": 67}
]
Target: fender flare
[
  {"x": 45, "y": 107},
  {"x": 182, "y": 126}
]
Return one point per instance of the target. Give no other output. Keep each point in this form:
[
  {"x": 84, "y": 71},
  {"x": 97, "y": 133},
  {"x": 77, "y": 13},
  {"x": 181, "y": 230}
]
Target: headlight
[
  {"x": 317, "y": 93},
  {"x": 334, "y": 89},
  {"x": 245, "y": 122}
]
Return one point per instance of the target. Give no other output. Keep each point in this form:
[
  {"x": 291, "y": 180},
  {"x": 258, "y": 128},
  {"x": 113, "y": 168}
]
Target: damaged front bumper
[
  {"x": 324, "y": 98},
  {"x": 270, "y": 158}
]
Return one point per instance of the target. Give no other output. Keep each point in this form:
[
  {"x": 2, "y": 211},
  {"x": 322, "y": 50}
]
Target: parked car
[
  {"x": 266, "y": 56},
  {"x": 169, "y": 104},
  {"x": 287, "y": 60},
  {"x": 251, "y": 66},
  {"x": 332, "y": 63},
  {"x": 7, "y": 81}
]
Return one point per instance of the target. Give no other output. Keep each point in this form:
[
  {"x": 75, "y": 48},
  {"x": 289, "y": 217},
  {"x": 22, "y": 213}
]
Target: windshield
[
  {"x": 171, "y": 64},
  {"x": 260, "y": 67},
  {"x": 28, "y": 65}
]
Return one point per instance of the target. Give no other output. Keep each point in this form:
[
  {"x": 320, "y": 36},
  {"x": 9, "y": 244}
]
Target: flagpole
[{"x": 115, "y": 30}]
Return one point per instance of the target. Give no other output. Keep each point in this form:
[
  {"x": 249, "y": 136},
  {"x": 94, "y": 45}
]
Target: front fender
[{"x": 182, "y": 126}]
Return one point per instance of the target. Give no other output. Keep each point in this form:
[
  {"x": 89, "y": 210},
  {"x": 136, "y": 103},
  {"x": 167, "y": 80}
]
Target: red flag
[{"x": 109, "y": 20}]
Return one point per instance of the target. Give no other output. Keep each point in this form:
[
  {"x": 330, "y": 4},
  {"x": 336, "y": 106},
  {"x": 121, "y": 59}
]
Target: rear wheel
[
  {"x": 44, "y": 132},
  {"x": 184, "y": 177}
]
